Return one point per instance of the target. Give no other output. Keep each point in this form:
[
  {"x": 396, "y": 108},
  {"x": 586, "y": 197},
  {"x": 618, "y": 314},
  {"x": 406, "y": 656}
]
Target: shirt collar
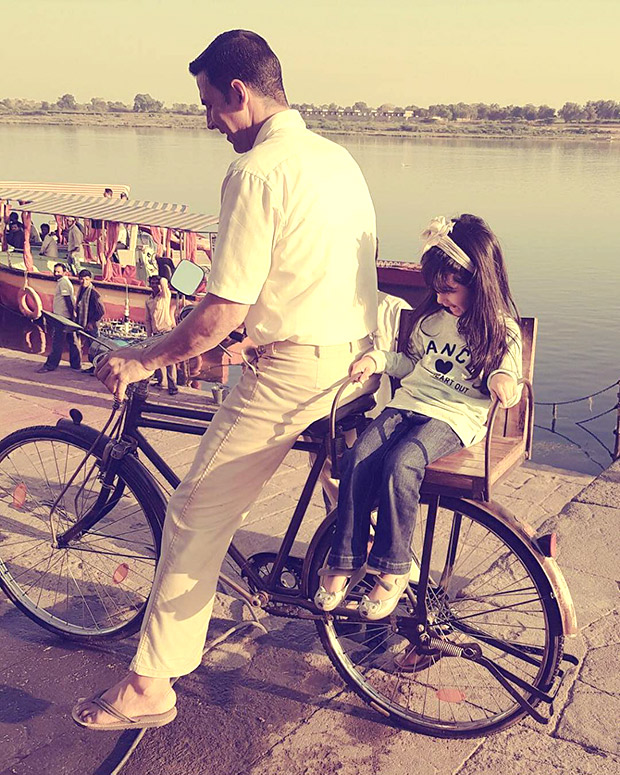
[{"x": 284, "y": 119}]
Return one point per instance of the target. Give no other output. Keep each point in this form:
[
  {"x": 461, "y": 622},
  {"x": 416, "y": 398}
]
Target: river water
[{"x": 554, "y": 205}]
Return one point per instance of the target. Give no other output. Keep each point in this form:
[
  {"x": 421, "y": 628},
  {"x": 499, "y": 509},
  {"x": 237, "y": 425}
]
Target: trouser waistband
[{"x": 319, "y": 349}]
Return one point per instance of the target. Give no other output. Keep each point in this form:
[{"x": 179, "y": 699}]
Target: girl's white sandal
[
  {"x": 327, "y": 601},
  {"x": 379, "y": 609}
]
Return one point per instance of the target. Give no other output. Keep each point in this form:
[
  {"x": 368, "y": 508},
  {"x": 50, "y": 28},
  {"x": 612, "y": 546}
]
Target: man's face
[
  {"x": 85, "y": 281},
  {"x": 230, "y": 118},
  {"x": 58, "y": 272},
  {"x": 154, "y": 286},
  {"x": 14, "y": 226}
]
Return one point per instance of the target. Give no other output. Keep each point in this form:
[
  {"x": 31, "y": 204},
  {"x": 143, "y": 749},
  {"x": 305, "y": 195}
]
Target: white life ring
[{"x": 29, "y": 303}]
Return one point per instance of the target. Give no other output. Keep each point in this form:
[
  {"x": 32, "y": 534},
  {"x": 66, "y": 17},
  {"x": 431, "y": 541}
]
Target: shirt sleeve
[
  {"x": 148, "y": 323},
  {"x": 249, "y": 220},
  {"x": 66, "y": 288},
  {"x": 511, "y": 362},
  {"x": 399, "y": 364}
]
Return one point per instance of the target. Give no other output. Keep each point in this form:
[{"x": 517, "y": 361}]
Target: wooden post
[{"x": 617, "y": 431}]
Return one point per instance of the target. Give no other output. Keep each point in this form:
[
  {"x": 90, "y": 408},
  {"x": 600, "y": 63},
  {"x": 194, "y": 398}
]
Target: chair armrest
[{"x": 528, "y": 431}]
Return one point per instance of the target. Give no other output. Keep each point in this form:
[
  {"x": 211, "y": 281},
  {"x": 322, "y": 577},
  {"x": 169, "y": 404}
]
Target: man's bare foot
[{"x": 134, "y": 695}]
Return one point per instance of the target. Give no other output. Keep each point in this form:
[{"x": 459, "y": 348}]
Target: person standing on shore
[
  {"x": 159, "y": 320},
  {"x": 89, "y": 307},
  {"x": 64, "y": 304},
  {"x": 294, "y": 261}
]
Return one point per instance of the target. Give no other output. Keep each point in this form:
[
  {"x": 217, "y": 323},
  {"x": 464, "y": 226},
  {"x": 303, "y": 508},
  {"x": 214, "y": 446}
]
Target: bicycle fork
[{"x": 109, "y": 494}]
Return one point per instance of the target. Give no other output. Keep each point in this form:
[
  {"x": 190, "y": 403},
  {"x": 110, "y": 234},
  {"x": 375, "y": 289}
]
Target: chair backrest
[{"x": 509, "y": 422}]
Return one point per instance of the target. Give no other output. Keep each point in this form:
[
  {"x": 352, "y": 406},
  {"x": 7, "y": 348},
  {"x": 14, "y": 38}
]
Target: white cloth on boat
[{"x": 296, "y": 238}]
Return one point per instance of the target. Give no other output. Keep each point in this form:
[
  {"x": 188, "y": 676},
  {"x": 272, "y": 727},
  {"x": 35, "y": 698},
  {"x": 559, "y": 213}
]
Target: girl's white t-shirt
[{"x": 434, "y": 376}]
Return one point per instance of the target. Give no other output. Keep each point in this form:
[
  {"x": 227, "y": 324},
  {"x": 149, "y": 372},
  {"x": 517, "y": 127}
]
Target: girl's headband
[{"x": 437, "y": 233}]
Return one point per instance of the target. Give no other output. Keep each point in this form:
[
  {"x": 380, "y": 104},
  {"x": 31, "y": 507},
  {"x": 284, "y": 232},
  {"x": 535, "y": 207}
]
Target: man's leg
[
  {"x": 75, "y": 356},
  {"x": 58, "y": 341},
  {"x": 246, "y": 442}
]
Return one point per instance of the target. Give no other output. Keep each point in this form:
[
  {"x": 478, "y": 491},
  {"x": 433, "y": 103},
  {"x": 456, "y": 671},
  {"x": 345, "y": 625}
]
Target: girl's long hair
[{"x": 483, "y": 326}]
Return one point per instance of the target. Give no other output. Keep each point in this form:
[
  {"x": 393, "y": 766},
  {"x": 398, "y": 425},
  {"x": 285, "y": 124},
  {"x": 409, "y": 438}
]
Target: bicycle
[{"x": 486, "y": 619}]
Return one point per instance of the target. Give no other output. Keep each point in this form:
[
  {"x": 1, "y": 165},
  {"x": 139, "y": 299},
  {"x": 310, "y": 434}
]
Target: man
[
  {"x": 160, "y": 320},
  {"x": 15, "y": 236},
  {"x": 49, "y": 245},
  {"x": 75, "y": 240},
  {"x": 89, "y": 308},
  {"x": 295, "y": 262},
  {"x": 63, "y": 305}
]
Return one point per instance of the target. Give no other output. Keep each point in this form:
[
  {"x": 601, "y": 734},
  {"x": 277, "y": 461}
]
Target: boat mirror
[
  {"x": 63, "y": 321},
  {"x": 187, "y": 277}
]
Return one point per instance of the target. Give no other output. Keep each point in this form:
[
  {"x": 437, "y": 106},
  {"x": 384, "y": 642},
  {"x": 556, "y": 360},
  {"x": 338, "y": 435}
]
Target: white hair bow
[
  {"x": 439, "y": 227},
  {"x": 437, "y": 234}
]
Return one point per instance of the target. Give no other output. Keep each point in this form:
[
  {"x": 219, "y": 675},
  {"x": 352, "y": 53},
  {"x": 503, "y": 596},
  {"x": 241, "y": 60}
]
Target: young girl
[{"x": 465, "y": 348}]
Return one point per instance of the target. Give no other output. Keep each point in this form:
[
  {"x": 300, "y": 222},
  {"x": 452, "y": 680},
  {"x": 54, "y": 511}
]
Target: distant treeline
[{"x": 594, "y": 110}]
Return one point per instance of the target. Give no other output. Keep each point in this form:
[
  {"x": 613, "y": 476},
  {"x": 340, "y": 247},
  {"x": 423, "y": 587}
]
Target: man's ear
[{"x": 239, "y": 92}]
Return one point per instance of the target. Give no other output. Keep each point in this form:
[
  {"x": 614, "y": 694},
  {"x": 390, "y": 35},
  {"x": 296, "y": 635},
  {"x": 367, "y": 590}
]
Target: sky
[{"x": 376, "y": 51}]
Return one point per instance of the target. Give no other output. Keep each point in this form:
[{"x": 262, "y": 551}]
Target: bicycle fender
[
  {"x": 84, "y": 432},
  {"x": 325, "y": 525},
  {"x": 549, "y": 565}
]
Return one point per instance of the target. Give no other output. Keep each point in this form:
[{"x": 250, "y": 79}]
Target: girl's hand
[
  {"x": 504, "y": 388},
  {"x": 363, "y": 368}
]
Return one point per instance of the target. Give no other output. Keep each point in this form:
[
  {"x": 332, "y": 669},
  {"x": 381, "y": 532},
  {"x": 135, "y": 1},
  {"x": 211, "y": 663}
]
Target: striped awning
[
  {"x": 79, "y": 189},
  {"x": 133, "y": 211}
]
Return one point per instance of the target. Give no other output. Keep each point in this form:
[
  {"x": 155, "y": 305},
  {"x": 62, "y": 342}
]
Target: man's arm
[{"x": 211, "y": 322}]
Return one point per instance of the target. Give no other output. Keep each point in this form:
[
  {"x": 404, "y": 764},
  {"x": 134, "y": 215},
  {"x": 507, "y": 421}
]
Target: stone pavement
[{"x": 272, "y": 704}]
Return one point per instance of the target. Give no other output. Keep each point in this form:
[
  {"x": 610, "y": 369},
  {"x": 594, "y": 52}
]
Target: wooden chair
[{"x": 472, "y": 472}]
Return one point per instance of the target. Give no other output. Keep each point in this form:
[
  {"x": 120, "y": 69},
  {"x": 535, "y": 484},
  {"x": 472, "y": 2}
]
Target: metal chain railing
[{"x": 614, "y": 453}]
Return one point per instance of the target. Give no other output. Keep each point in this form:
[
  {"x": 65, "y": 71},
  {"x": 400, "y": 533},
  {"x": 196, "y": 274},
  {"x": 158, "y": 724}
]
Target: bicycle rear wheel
[
  {"x": 97, "y": 586},
  {"x": 487, "y": 591}
]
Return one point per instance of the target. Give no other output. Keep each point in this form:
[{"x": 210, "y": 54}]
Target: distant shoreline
[{"x": 491, "y": 130}]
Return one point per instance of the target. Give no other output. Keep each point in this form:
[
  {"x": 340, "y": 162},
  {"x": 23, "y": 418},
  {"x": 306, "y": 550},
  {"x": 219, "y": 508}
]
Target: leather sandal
[
  {"x": 327, "y": 601},
  {"x": 379, "y": 609}
]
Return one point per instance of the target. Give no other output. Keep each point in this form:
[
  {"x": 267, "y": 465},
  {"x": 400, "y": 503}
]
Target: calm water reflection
[{"x": 554, "y": 205}]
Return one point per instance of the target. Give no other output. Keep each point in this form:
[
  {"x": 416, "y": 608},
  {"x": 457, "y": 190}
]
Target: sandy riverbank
[{"x": 605, "y": 133}]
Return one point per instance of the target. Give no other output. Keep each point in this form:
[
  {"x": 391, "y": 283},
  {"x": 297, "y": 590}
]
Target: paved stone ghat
[{"x": 273, "y": 705}]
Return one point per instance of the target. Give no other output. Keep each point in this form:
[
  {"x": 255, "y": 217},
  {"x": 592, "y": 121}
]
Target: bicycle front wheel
[
  {"x": 487, "y": 592},
  {"x": 97, "y": 586}
]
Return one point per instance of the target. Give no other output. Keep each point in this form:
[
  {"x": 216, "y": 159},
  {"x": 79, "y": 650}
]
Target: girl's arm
[
  {"x": 502, "y": 382},
  {"x": 395, "y": 364}
]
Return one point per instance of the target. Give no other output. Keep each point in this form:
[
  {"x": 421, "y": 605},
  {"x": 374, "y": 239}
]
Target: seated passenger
[
  {"x": 468, "y": 327},
  {"x": 15, "y": 235},
  {"x": 49, "y": 245}
]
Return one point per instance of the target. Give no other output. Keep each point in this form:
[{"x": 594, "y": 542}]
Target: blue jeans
[{"x": 386, "y": 463}]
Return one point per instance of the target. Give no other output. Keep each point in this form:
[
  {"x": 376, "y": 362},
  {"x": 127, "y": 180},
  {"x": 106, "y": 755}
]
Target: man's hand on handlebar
[
  {"x": 121, "y": 368},
  {"x": 363, "y": 368}
]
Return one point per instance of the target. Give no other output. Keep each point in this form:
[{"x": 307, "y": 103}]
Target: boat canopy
[
  {"x": 134, "y": 211},
  {"x": 81, "y": 189}
]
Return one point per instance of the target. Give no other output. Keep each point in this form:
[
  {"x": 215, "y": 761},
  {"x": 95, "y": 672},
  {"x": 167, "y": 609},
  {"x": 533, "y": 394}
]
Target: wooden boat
[{"x": 120, "y": 273}]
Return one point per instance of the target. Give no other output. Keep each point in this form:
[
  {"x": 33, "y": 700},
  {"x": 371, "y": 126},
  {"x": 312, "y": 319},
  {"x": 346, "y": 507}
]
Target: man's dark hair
[
  {"x": 85, "y": 273},
  {"x": 62, "y": 266},
  {"x": 243, "y": 55},
  {"x": 13, "y": 217}
]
